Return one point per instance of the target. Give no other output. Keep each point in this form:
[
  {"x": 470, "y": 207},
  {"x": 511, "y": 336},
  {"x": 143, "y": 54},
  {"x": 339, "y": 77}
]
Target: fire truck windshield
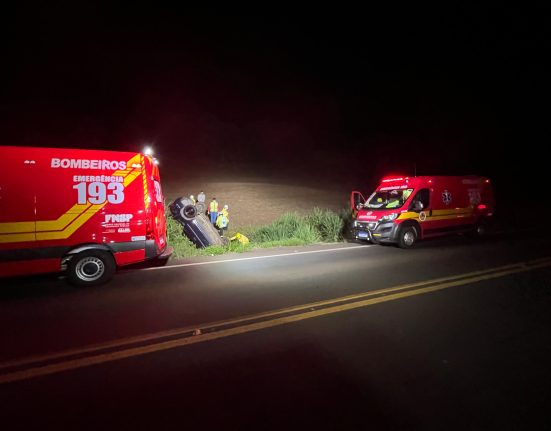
[{"x": 388, "y": 199}]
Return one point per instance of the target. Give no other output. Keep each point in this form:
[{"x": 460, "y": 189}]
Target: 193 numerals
[{"x": 97, "y": 193}]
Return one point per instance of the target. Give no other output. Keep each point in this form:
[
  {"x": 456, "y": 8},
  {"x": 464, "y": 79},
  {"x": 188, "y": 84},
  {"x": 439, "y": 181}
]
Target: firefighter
[
  {"x": 201, "y": 204},
  {"x": 394, "y": 200},
  {"x": 222, "y": 221},
  {"x": 192, "y": 199},
  {"x": 240, "y": 237},
  {"x": 213, "y": 210}
]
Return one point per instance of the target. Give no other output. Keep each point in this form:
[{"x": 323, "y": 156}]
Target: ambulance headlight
[{"x": 389, "y": 217}]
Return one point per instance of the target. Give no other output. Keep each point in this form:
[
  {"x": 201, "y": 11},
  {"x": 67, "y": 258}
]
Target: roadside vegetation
[{"x": 290, "y": 229}]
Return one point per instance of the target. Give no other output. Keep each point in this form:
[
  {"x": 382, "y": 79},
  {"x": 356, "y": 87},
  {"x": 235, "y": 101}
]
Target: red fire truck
[
  {"x": 84, "y": 212},
  {"x": 403, "y": 210}
]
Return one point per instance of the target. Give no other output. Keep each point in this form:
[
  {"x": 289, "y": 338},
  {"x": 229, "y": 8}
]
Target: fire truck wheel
[
  {"x": 407, "y": 237},
  {"x": 188, "y": 212},
  {"x": 91, "y": 268}
]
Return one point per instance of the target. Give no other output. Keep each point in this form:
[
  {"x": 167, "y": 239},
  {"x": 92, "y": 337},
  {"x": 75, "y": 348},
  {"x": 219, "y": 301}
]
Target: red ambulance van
[
  {"x": 403, "y": 210},
  {"x": 85, "y": 212}
]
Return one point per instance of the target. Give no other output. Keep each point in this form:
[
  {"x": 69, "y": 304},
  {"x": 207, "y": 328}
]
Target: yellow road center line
[{"x": 166, "y": 345}]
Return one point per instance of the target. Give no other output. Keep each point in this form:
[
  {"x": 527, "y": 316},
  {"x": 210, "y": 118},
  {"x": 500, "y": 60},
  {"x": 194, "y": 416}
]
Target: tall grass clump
[
  {"x": 328, "y": 224},
  {"x": 345, "y": 214},
  {"x": 288, "y": 226},
  {"x": 320, "y": 225}
]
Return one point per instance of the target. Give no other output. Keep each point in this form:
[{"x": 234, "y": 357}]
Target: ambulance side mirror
[{"x": 417, "y": 206}]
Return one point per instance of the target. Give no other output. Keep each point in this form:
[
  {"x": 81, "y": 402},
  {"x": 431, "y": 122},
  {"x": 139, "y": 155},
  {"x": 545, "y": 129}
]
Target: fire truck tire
[
  {"x": 407, "y": 237},
  {"x": 91, "y": 268},
  {"x": 188, "y": 212}
]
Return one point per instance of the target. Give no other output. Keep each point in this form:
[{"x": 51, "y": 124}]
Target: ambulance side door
[
  {"x": 421, "y": 203},
  {"x": 439, "y": 217},
  {"x": 356, "y": 199}
]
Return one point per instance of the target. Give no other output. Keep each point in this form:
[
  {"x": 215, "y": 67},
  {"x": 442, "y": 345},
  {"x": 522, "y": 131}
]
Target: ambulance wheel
[
  {"x": 91, "y": 268},
  {"x": 480, "y": 230},
  {"x": 407, "y": 237},
  {"x": 188, "y": 212}
]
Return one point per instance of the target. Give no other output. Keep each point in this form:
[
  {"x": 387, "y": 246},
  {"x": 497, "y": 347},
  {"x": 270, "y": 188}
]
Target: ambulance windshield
[{"x": 388, "y": 199}]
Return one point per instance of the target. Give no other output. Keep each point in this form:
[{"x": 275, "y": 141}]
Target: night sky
[{"x": 353, "y": 92}]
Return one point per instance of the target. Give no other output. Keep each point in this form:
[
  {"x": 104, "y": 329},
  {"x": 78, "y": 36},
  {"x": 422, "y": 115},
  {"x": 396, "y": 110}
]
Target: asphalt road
[{"x": 453, "y": 334}]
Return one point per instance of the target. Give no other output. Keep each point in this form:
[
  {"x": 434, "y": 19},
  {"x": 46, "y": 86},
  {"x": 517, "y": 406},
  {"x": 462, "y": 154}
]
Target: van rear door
[{"x": 156, "y": 224}]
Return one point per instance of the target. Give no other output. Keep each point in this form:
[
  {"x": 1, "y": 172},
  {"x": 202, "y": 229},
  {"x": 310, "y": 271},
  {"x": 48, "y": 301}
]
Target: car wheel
[
  {"x": 188, "y": 212},
  {"x": 408, "y": 237},
  {"x": 91, "y": 268}
]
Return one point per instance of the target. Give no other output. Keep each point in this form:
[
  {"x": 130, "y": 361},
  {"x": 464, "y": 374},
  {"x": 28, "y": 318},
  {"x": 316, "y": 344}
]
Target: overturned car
[{"x": 197, "y": 226}]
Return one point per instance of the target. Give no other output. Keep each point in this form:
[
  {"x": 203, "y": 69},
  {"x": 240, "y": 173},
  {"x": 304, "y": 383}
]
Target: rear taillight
[{"x": 149, "y": 230}]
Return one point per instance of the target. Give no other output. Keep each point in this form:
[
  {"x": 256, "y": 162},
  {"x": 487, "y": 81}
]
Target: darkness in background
[{"x": 346, "y": 95}]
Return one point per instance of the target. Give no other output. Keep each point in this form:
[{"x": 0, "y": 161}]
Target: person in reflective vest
[
  {"x": 213, "y": 210},
  {"x": 222, "y": 221}
]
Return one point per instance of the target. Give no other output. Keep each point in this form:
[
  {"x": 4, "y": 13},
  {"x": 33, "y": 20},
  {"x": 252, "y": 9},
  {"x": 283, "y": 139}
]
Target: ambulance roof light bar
[{"x": 388, "y": 180}]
